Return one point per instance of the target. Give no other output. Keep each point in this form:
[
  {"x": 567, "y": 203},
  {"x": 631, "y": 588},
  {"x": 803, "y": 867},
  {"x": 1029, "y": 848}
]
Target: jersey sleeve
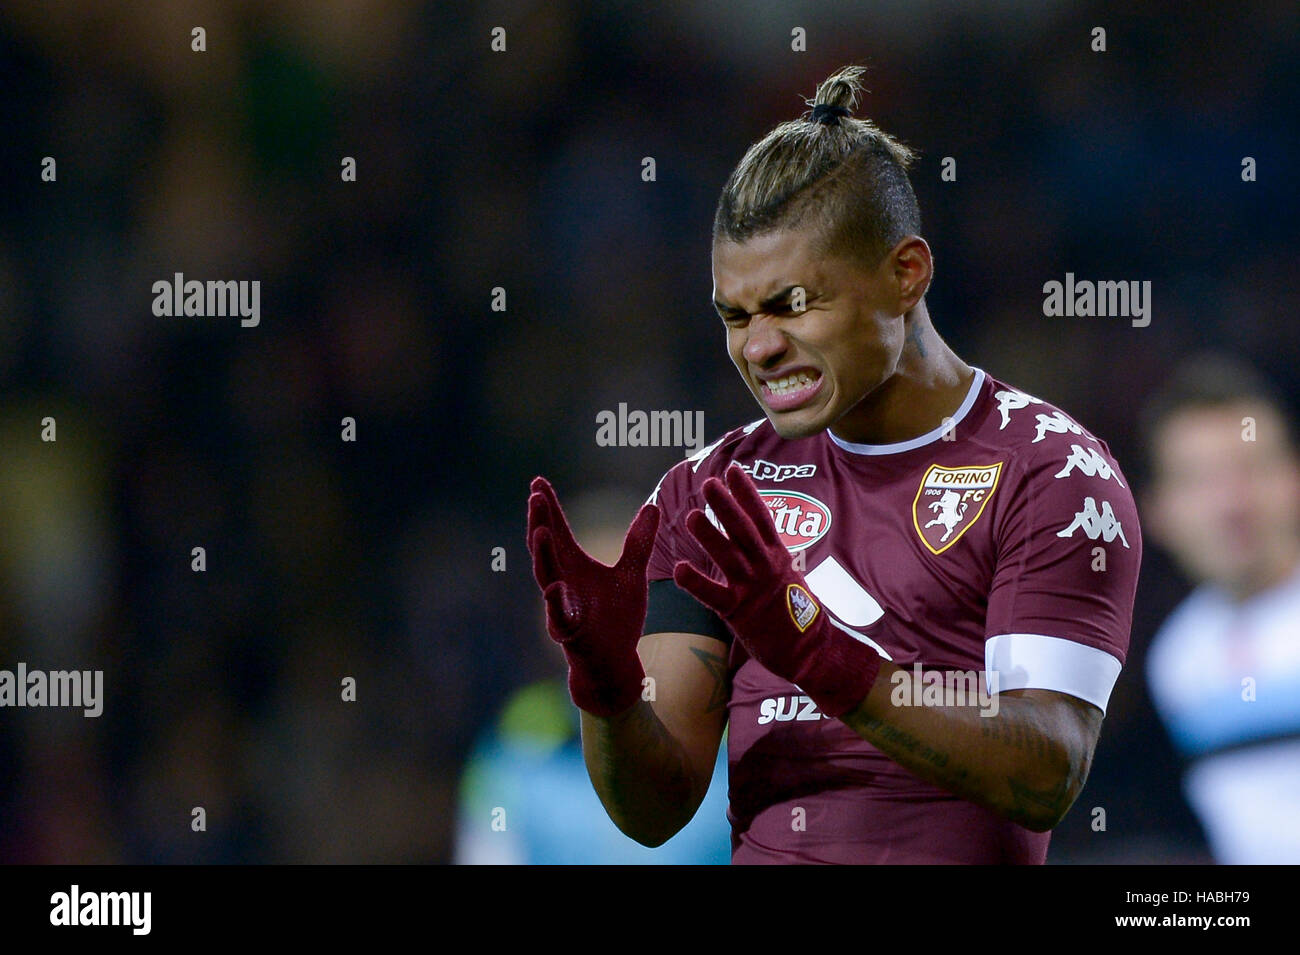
[
  {"x": 1069, "y": 549},
  {"x": 671, "y": 609}
]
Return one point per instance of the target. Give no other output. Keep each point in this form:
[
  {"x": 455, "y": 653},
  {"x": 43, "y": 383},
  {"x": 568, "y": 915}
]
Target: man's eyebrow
[{"x": 777, "y": 298}]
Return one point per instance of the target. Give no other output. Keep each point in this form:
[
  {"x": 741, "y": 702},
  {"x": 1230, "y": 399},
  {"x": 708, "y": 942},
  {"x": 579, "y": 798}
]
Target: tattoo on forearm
[
  {"x": 639, "y": 760},
  {"x": 717, "y": 667},
  {"x": 1029, "y": 805},
  {"x": 896, "y": 739},
  {"x": 1016, "y": 728},
  {"x": 1012, "y": 731}
]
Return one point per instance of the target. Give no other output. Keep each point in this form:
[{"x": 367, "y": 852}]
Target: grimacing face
[
  {"x": 1226, "y": 508},
  {"x": 807, "y": 369}
]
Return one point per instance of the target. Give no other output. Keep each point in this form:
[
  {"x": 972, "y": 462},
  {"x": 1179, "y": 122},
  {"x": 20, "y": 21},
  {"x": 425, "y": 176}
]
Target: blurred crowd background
[{"x": 519, "y": 170}]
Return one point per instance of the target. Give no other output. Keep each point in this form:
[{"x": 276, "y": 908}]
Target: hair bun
[{"x": 829, "y": 115}]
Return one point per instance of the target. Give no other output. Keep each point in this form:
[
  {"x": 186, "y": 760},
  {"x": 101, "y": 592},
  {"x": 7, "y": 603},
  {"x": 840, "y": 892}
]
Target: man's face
[
  {"x": 1228, "y": 509},
  {"x": 807, "y": 369}
]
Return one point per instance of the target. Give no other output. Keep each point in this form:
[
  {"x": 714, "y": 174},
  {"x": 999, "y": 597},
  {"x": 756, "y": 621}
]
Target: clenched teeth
[{"x": 791, "y": 383}]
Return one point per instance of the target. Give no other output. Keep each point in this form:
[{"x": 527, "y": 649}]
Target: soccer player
[
  {"x": 835, "y": 577},
  {"x": 1224, "y": 669}
]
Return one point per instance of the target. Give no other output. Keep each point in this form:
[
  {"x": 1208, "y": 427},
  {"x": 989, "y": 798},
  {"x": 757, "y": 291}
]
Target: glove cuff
[
  {"x": 840, "y": 674},
  {"x": 605, "y": 687}
]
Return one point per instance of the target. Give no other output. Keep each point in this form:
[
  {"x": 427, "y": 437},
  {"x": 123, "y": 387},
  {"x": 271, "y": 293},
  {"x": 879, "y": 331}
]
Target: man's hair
[
  {"x": 1211, "y": 381},
  {"x": 843, "y": 175}
]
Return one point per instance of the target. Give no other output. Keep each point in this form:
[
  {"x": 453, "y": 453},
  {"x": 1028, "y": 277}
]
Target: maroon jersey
[{"x": 1005, "y": 542}]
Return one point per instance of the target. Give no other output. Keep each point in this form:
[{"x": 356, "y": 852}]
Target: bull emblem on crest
[{"x": 950, "y": 508}]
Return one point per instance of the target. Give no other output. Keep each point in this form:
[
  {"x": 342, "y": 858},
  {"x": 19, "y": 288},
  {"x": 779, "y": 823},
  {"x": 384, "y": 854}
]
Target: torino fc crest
[{"x": 950, "y": 500}]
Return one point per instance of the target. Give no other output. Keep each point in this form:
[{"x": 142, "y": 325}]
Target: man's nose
[{"x": 766, "y": 341}]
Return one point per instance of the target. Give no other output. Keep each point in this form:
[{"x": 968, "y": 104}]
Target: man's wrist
[
  {"x": 835, "y": 669},
  {"x": 841, "y": 674},
  {"x": 604, "y": 687}
]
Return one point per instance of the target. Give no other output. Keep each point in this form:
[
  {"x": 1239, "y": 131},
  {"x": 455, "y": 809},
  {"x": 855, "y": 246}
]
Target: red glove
[
  {"x": 767, "y": 603},
  {"x": 594, "y": 612}
]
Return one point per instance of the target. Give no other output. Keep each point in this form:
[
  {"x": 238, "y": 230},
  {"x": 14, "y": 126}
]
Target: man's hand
[
  {"x": 767, "y": 603},
  {"x": 594, "y": 612}
]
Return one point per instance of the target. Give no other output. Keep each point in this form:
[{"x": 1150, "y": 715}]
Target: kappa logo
[
  {"x": 1057, "y": 423},
  {"x": 1013, "y": 400},
  {"x": 953, "y": 499},
  {"x": 1090, "y": 462},
  {"x": 1096, "y": 523},
  {"x": 803, "y": 609},
  {"x": 762, "y": 470}
]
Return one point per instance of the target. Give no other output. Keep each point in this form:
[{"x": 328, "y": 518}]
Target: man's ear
[{"x": 913, "y": 268}]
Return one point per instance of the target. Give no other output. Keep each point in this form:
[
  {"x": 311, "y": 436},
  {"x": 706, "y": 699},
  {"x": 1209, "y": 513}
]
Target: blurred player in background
[
  {"x": 525, "y": 798},
  {"x": 901, "y": 534},
  {"x": 1224, "y": 669}
]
